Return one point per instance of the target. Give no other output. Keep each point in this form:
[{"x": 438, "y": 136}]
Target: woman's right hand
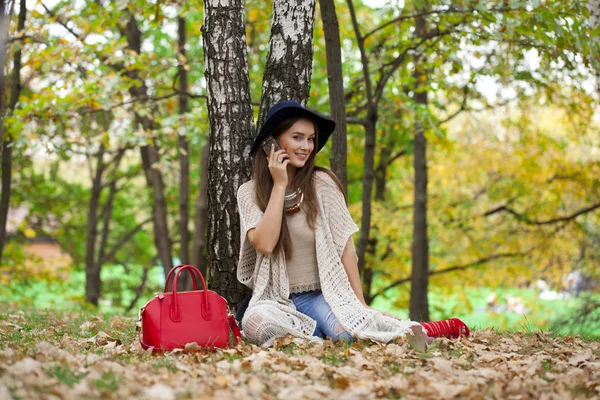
[{"x": 278, "y": 161}]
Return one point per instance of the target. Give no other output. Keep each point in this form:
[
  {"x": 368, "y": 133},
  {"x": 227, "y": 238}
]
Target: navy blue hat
[{"x": 288, "y": 109}]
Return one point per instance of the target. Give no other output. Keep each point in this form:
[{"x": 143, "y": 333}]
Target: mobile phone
[{"x": 266, "y": 145}]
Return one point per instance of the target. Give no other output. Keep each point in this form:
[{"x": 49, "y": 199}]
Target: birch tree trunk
[
  {"x": 231, "y": 133},
  {"x": 419, "y": 305},
  {"x": 15, "y": 92},
  {"x": 333, "y": 49},
  {"x": 201, "y": 217},
  {"x": 289, "y": 63}
]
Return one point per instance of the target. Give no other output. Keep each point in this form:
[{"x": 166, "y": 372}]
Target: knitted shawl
[{"x": 267, "y": 276}]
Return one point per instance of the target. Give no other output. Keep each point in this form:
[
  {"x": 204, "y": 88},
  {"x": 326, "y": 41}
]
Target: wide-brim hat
[{"x": 289, "y": 109}]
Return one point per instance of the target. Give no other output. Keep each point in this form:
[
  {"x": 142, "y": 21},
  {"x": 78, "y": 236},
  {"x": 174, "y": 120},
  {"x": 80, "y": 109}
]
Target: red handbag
[{"x": 171, "y": 320}]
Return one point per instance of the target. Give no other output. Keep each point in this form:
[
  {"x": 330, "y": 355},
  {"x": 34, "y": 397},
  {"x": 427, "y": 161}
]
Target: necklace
[
  {"x": 291, "y": 203},
  {"x": 292, "y": 195}
]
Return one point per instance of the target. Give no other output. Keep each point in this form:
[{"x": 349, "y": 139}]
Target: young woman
[{"x": 297, "y": 253}]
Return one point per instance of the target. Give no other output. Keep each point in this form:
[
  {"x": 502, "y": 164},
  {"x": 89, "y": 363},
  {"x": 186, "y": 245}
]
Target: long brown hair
[{"x": 303, "y": 179}]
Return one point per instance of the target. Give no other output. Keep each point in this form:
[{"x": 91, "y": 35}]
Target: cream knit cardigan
[{"x": 271, "y": 314}]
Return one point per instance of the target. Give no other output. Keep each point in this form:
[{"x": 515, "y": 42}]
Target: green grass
[
  {"x": 65, "y": 375},
  {"x": 469, "y": 304},
  {"x": 52, "y": 325},
  {"x": 109, "y": 382}
]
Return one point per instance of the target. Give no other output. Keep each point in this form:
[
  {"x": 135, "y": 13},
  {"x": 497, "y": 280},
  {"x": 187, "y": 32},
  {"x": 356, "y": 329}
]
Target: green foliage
[{"x": 119, "y": 286}]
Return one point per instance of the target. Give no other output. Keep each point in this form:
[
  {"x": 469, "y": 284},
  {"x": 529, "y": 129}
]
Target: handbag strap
[
  {"x": 182, "y": 266},
  {"x": 175, "y": 313},
  {"x": 235, "y": 331}
]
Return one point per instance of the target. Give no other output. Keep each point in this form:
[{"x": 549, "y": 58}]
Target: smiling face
[{"x": 299, "y": 142}]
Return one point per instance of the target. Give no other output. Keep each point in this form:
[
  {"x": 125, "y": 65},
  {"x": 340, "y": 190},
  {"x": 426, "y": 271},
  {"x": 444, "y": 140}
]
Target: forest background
[{"x": 112, "y": 155}]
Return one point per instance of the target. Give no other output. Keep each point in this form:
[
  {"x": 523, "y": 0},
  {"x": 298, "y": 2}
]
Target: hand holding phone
[
  {"x": 278, "y": 160},
  {"x": 266, "y": 145}
]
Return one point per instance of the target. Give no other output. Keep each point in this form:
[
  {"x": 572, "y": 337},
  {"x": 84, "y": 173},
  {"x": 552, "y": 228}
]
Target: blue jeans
[{"x": 314, "y": 305}]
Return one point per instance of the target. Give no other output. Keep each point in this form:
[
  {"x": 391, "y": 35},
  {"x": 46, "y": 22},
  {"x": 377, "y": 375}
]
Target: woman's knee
[
  {"x": 262, "y": 323},
  {"x": 335, "y": 330}
]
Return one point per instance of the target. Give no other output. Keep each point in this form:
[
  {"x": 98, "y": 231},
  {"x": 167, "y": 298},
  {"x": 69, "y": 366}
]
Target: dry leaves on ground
[{"x": 62, "y": 356}]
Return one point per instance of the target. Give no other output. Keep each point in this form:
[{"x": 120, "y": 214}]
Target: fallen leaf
[
  {"x": 341, "y": 382},
  {"x": 580, "y": 357},
  {"x": 193, "y": 346},
  {"x": 159, "y": 391},
  {"x": 4, "y": 393},
  {"x": 255, "y": 385},
  {"x": 222, "y": 380},
  {"x": 102, "y": 339},
  {"x": 442, "y": 365}
]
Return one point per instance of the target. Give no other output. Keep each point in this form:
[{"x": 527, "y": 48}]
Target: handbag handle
[
  {"x": 175, "y": 313},
  {"x": 194, "y": 283}
]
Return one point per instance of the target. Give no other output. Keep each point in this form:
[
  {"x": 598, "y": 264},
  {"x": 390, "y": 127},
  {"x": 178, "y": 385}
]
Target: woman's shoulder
[
  {"x": 323, "y": 176},
  {"x": 246, "y": 188}
]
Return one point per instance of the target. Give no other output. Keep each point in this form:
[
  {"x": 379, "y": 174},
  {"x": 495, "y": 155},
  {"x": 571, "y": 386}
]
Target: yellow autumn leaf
[{"x": 29, "y": 233}]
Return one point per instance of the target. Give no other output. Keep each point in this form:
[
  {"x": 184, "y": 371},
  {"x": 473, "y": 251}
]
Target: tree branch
[
  {"x": 432, "y": 12},
  {"x": 473, "y": 264},
  {"x": 523, "y": 218},
  {"x": 357, "y": 121},
  {"x": 123, "y": 240}
]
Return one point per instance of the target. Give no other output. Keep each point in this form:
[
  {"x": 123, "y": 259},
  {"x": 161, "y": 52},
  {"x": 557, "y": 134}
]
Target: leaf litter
[{"x": 70, "y": 356}]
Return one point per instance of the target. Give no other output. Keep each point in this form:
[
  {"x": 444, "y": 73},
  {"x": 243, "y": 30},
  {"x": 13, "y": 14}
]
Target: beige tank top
[{"x": 302, "y": 267}]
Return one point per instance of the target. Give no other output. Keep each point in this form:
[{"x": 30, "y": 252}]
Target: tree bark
[
  {"x": 107, "y": 209},
  {"x": 15, "y": 92},
  {"x": 150, "y": 158},
  {"x": 184, "y": 163},
  {"x": 381, "y": 173},
  {"x": 289, "y": 63},
  {"x": 92, "y": 269},
  {"x": 3, "y": 55},
  {"x": 201, "y": 218},
  {"x": 419, "y": 305},
  {"x": 369, "y": 154},
  {"x": 339, "y": 140},
  {"x": 231, "y": 133}
]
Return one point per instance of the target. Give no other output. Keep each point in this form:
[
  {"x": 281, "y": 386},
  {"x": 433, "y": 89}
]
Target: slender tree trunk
[
  {"x": 201, "y": 218},
  {"x": 92, "y": 269},
  {"x": 107, "y": 210},
  {"x": 289, "y": 63},
  {"x": 381, "y": 174},
  {"x": 150, "y": 158},
  {"x": 369, "y": 155},
  {"x": 339, "y": 140},
  {"x": 231, "y": 133},
  {"x": 367, "y": 194},
  {"x": 184, "y": 163},
  {"x": 419, "y": 305},
  {"x": 15, "y": 92},
  {"x": 3, "y": 55},
  {"x": 185, "y": 283}
]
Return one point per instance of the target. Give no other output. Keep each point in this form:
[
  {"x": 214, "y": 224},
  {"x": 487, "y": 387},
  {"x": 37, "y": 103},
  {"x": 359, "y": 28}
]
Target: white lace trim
[{"x": 308, "y": 287}]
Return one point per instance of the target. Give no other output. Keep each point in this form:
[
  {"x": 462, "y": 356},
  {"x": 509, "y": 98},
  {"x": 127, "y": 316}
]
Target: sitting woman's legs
[
  {"x": 263, "y": 323},
  {"x": 314, "y": 305}
]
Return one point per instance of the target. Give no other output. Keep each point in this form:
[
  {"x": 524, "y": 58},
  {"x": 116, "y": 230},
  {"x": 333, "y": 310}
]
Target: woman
[{"x": 297, "y": 253}]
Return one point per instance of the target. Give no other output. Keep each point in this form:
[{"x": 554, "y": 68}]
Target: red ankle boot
[{"x": 451, "y": 328}]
